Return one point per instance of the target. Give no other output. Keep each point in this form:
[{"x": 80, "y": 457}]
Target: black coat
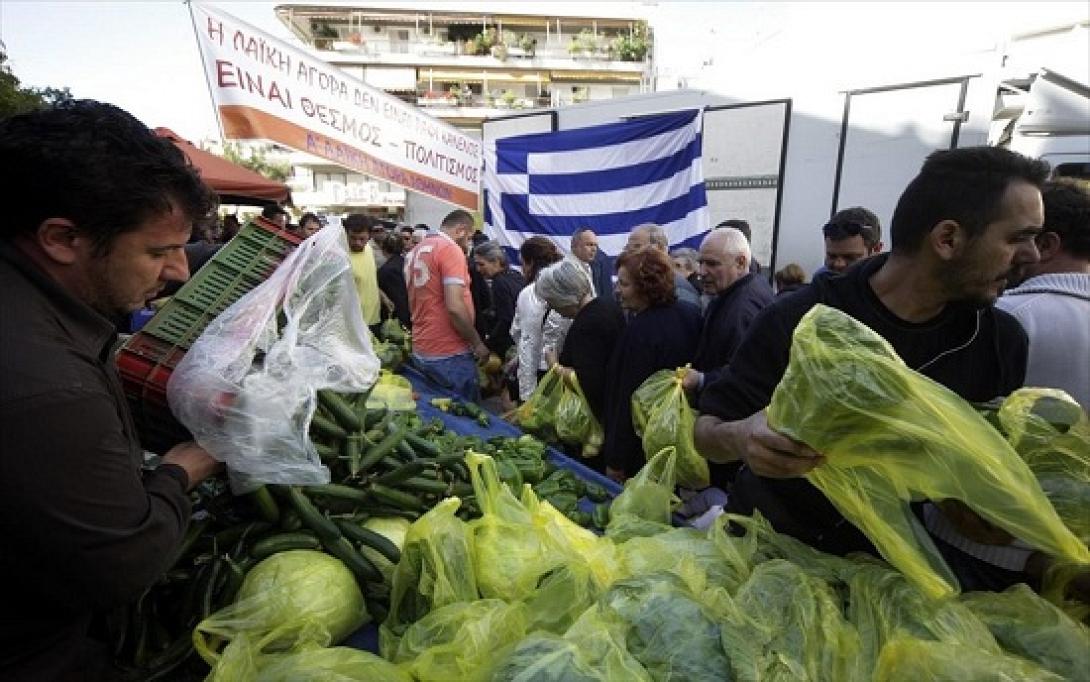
[
  {"x": 391, "y": 281},
  {"x": 725, "y": 323},
  {"x": 497, "y": 317}
]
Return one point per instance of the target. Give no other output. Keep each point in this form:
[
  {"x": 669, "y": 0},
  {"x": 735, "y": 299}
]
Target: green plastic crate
[{"x": 236, "y": 269}]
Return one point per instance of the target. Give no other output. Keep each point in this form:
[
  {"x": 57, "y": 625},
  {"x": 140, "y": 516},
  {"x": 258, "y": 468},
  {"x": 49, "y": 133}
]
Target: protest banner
[{"x": 264, "y": 88}]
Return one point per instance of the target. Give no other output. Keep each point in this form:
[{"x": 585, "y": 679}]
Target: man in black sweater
[
  {"x": 960, "y": 228},
  {"x": 101, "y": 209}
]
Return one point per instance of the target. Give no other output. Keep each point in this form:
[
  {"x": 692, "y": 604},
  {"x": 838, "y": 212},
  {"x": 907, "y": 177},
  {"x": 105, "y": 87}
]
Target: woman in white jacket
[{"x": 536, "y": 329}]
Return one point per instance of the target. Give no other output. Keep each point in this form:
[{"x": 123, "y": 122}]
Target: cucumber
[
  {"x": 342, "y": 412},
  {"x": 283, "y": 542},
  {"x": 360, "y": 565},
  {"x": 327, "y": 428},
  {"x": 353, "y": 451},
  {"x": 368, "y": 537},
  {"x": 422, "y": 446},
  {"x": 402, "y": 473},
  {"x": 338, "y": 492},
  {"x": 424, "y": 485},
  {"x": 327, "y": 453},
  {"x": 374, "y": 417},
  {"x": 266, "y": 506},
  {"x": 311, "y": 517},
  {"x": 396, "y": 498},
  {"x": 381, "y": 449}
]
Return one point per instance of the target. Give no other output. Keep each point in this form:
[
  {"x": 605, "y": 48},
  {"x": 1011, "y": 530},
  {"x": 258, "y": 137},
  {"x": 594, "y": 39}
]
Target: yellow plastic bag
[
  {"x": 892, "y": 436},
  {"x": 538, "y": 414},
  {"x": 647, "y": 501},
  {"x": 907, "y": 659},
  {"x": 510, "y": 552},
  {"x": 288, "y": 599},
  {"x": 662, "y": 417},
  {"x": 436, "y": 569},
  {"x": 392, "y": 391},
  {"x": 461, "y": 641},
  {"x": 1028, "y": 626},
  {"x": 1052, "y": 434},
  {"x": 575, "y": 423}
]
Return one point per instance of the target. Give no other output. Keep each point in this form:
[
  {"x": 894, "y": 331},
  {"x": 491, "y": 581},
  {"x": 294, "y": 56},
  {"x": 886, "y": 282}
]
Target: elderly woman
[
  {"x": 596, "y": 325},
  {"x": 504, "y": 285},
  {"x": 661, "y": 334},
  {"x": 536, "y": 329}
]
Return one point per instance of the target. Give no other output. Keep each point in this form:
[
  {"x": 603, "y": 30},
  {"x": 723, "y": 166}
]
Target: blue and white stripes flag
[{"x": 609, "y": 178}]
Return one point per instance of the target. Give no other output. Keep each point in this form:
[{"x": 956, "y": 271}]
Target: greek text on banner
[{"x": 263, "y": 87}]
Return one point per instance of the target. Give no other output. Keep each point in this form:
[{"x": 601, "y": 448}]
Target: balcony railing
[
  {"x": 445, "y": 99},
  {"x": 437, "y": 49}
]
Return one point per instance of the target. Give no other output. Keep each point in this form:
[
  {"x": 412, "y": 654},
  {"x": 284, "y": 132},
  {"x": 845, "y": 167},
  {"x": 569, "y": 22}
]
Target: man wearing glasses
[{"x": 852, "y": 235}]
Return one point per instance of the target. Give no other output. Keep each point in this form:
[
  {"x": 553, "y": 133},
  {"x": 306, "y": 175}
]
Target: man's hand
[
  {"x": 195, "y": 460},
  {"x": 481, "y": 352},
  {"x": 692, "y": 380},
  {"x": 774, "y": 455}
]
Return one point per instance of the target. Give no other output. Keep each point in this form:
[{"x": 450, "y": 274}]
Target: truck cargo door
[{"x": 885, "y": 135}]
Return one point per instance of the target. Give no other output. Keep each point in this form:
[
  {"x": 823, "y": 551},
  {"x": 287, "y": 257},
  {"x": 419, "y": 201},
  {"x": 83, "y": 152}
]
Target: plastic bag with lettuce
[
  {"x": 892, "y": 436},
  {"x": 647, "y": 501},
  {"x": 1051, "y": 432},
  {"x": 288, "y": 601},
  {"x": 662, "y": 417},
  {"x": 575, "y": 422}
]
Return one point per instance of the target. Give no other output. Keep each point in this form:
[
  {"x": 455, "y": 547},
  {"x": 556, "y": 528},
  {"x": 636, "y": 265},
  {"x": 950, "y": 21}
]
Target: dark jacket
[
  {"x": 81, "y": 527},
  {"x": 725, "y": 323},
  {"x": 588, "y": 348},
  {"x": 391, "y": 281},
  {"x": 662, "y": 337},
  {"x": 601, "y": 273},
  {"x": 503, "y": 292}
]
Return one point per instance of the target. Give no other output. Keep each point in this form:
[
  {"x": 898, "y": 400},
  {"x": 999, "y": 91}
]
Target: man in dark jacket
[
  {"x": 100, "y": 210},
  {"x": 739, "y": 296}
]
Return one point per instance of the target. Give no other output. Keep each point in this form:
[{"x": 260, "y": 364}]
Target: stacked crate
[{"x": 146, "y": 361}]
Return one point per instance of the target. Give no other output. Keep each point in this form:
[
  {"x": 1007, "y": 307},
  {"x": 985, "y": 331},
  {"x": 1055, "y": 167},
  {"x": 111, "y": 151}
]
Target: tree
[
  {"x": 16, "y": 99},
  {"x": 257, "y": 161}
]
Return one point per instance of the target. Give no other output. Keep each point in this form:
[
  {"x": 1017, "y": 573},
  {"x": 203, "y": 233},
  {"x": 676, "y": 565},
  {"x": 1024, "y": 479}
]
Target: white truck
[{"x": 786, "y": 170}]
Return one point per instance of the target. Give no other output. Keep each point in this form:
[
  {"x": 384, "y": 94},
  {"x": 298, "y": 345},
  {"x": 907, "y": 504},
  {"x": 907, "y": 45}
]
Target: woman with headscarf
[{"x": 596, "y": 325}]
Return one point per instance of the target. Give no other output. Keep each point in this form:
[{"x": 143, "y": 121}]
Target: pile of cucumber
[{"x": 383, "y": 464}]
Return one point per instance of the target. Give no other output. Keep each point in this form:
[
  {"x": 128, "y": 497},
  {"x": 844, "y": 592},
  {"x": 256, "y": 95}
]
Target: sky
[{"x": 143, "y": 57}]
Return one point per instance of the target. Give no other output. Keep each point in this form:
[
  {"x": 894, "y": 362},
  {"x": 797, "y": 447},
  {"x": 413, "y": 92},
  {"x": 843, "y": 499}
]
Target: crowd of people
[{"x": 985, "y": 288}]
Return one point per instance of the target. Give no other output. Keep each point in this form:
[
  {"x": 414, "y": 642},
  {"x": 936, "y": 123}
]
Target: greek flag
[{"x": 609, "y": 178}]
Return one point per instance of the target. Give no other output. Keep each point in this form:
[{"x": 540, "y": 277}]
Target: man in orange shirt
[{"x": 437, "y": 275}]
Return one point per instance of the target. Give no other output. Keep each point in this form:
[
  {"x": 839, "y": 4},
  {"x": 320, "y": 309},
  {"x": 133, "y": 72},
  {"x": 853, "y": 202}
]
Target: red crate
[{"x": 145, "y": 364}]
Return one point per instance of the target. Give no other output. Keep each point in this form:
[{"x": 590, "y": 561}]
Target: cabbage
[
  {"x": 327, "y": 665},
  {"x": 289, "y": 598}
]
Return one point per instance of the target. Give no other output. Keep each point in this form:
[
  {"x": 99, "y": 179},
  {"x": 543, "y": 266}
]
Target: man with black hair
[
  {"x": 961, "y": 227},
  {"x": 275, "y": 214},
  {"x": 850, "y": 236},
  {"x": 1053, "y": 300},
  {"x": 99, "y": 211},
  {"x": 364, "y": 270}
]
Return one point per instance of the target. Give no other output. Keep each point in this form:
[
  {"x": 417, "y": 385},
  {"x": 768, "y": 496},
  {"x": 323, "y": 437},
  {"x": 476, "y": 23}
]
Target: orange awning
[{"x": 233, "y": 183}]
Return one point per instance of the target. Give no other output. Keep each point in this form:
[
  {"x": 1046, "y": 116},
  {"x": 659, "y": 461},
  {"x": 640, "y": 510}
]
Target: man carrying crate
[{"x": 99, "y": 212}]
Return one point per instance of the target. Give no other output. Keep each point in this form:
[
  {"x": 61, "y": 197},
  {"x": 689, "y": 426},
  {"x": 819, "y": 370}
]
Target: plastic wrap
[{"x": 247, "y": 388}]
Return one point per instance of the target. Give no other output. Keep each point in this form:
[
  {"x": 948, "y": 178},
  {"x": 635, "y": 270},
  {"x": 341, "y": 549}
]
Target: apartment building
[{"x": 462, "y": 67}]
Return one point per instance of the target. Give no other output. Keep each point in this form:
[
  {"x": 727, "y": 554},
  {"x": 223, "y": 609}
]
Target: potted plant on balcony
[
  {"x": 509, "y": 98},
  {"x": 632, "y": 47},
  {"x": 324, "y": 34},
  {"x": 499, "y": 51},
  {"x": 528, "y": 44}
]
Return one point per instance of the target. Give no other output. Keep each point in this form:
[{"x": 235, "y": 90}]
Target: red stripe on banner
[{"x": 242, "y": 122}]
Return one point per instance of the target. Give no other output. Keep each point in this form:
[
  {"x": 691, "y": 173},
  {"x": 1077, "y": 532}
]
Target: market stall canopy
[{"x": 233, "y": 183}]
